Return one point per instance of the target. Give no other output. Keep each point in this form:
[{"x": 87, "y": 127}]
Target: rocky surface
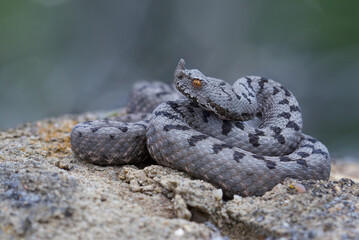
[{"x": 46, "y": 193}]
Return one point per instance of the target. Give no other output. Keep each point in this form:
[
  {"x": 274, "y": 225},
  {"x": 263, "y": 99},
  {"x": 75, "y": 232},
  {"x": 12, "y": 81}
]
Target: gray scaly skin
[{"x": 212, "y": 134}]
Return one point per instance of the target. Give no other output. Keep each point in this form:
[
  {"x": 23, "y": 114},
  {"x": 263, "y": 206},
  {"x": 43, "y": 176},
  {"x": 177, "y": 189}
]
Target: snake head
[
  {"x": 188, "y": 78},
  {"x": 190, "y": 82},
  {"x": 212, "y": 94}
]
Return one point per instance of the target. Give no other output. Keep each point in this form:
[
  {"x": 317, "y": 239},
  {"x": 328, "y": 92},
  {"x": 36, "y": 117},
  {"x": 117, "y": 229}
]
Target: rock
[
  {"x": 321, "y": 212},
  {"x": 47, "y": 193}
]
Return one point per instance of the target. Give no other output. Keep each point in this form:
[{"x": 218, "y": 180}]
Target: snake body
[{"x": 243, "y": 138}]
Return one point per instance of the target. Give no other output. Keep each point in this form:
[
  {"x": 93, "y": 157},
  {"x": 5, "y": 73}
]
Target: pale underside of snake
[{"x": 243, "y": 138}]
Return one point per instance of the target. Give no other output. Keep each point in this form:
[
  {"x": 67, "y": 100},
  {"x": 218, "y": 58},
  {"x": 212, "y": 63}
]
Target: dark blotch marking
[
  {"x": 239, "y": 125},
  {"x": 175, "y": 107},
  {"x": 312, "y": 140},
  {"x": 308, "y": 145},
  {"x": 80, "y": 134},
  {"x": 166, "y": 114},
  {"x": 259, "y": 132},
  {"x": 238, "y": 97},
  {"x": 275, "y": 90},
  {"x": 294, "y": 108},
  {"x": 259, "y": 115},
  {"x": 249, "y": 82},
  {"x": 123, "y": 129},
  {"x": 246, "y": 97},
  {"x": 253, "y": 139},
  {"x": 287, "y": 93},
  {"x": 224, "y": 90},
  {"x": 176, "y": 127},
  {"x": 258, "y": 156},
  {"x": 302, "y": 162},
  {"x": 284, "y": 159},
  {"x": 222, "y": 83},
  {"x": 245, "y": 87},
  {"x": 205, "y": 115},
  {"x": 173, "y": 104},
  {"x": 226, "y": 127},
  {"x": 284, "y": 101},
  {"x": 276, "y": 130},
  {"x": 112, "y": 136},
  {"x": 303, "y": 154},
  {"x": 237, "y": 156},
  {"x": 262, "y": 82},
  {"x": 319, "y": 151},
  {"x": 196, "y": 138},
  {"x": 279, "y": 137},
  {"x": 286, "y": 115},
  {"x": 219, "y": 147},
  {"x": 270, "y": 164},
  {"x": 293, "y": 125},
  {"x": 95, "y": 129}
]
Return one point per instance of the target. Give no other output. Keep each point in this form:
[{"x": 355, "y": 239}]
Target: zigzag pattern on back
[{"x": 243, "y": 138}]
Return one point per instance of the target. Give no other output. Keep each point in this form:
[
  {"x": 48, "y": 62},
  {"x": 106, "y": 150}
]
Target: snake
[{"x": 243, "y": 138}]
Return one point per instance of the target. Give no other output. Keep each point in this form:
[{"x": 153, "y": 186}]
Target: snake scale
[{"x": 243, "y": 138}]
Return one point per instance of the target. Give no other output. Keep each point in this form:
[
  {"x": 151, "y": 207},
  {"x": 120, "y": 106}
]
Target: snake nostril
[{"x": 180, "y": 75}]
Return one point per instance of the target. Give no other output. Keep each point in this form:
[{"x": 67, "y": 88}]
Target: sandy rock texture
[{"x": 46, "y": 193}]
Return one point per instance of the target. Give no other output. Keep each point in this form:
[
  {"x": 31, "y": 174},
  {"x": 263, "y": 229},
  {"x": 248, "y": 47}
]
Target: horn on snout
[
  {"x": 180, "y": 67},
  {"x": 181, "y": 64}
]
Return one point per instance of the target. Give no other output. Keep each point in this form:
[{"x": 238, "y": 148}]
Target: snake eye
[{"x": 196, "y": 83}]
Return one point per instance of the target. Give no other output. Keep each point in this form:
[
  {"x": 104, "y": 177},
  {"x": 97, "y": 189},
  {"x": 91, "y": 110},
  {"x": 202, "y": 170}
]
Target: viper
[{"x": 243, "y": 138}]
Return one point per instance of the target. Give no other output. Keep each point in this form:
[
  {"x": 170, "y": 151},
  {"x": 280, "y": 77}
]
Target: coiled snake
[{"x": 244, "y": 138}]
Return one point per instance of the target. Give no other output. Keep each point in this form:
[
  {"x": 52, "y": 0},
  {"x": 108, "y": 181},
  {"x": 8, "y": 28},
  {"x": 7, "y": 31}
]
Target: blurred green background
[{"x": 71, "y": 56}]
